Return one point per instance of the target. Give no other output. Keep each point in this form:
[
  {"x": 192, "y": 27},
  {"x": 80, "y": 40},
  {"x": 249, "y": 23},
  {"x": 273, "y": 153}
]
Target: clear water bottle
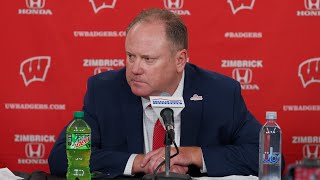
[
  {"x": 78, "y": 146},
  {"x": 270, "y": 149}
]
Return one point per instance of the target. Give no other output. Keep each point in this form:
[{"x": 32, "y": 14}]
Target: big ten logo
[
  {"x": 237, "y": 5},
  {"x": 309, "y": 71},
  {"x": 34, "y": 69},
  {"x": 271, "y": 157},
  {"x": 98, "y": 5},
  {"x": 176, "y": 6},
  {"x": 312, "y": 4},
  {"x": 34, "y": 150},
  {"x": 311, "y": 151}
]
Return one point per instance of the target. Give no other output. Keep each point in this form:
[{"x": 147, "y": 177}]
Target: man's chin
[{"x": 140, "y": 92}]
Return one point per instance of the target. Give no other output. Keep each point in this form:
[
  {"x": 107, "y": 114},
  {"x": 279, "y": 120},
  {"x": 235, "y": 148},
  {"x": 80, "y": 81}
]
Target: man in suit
[{"x": 216, "y": 133}]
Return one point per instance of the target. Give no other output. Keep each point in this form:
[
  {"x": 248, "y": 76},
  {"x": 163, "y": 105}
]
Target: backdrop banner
[{"x": 49, "y": 48}]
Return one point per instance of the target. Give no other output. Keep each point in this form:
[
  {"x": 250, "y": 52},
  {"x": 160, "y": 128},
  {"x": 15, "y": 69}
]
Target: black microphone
[
  {"x": 167, "y": 116},
  {"x": 165, "y": 107}
]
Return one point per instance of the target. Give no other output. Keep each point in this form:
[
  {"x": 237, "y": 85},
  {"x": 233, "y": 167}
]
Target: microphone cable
[{"x": 162, "y": 163}]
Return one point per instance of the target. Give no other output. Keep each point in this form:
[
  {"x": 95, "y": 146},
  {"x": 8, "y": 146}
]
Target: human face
[{"x": 152, "y": 66}]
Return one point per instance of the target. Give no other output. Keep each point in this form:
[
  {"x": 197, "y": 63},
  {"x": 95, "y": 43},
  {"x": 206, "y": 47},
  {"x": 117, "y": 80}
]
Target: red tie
[{"x": 158, "y": 135}]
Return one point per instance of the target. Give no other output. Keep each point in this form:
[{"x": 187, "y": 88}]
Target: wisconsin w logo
[
  {"x": 97, "y": 5},
  {"x": 237, "y": 5},
  {"x": 34, "y": 69},
  {"x": 309, "y": 71}
]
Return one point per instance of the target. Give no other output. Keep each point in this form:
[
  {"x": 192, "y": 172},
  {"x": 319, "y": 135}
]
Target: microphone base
[{"x": 163, "y": 176}]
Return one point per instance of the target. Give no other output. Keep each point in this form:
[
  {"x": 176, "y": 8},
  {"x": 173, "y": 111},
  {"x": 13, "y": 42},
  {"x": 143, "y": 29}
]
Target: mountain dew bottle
[{"x": 78, "y": 146}]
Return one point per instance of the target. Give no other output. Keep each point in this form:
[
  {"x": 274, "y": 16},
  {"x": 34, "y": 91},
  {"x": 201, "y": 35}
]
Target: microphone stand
[{"x": 167, "y": 174}]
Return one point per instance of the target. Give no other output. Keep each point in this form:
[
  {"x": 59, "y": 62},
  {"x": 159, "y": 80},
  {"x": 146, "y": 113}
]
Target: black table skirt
[{"x": 40, "y": 175}]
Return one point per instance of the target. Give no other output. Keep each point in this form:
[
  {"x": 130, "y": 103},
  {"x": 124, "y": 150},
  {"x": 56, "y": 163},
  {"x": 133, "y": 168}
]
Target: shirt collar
[{"x": 177, "y": 93}]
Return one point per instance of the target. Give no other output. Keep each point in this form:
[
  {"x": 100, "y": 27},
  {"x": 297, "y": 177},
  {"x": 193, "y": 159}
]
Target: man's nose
[{"x": 137, "y": 67}]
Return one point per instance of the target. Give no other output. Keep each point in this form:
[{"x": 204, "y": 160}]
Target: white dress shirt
[{"x": 149, "y": 120}]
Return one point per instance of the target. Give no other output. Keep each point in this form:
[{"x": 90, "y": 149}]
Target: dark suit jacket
[{"x": 220, "y": 124}]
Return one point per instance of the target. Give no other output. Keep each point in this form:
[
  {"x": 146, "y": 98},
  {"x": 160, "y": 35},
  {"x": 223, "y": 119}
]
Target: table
[{"x": 40, "y": 175}]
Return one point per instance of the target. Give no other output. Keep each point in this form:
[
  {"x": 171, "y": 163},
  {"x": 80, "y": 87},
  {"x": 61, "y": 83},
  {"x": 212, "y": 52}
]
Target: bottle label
[
  {"x": 79, "y": 141},
  {"x": 271, "y": 157}
]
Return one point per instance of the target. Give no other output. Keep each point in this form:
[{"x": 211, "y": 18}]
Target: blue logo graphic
[
  {"x": 165, "y": 101},
  {"x": 272, "y": 158}
]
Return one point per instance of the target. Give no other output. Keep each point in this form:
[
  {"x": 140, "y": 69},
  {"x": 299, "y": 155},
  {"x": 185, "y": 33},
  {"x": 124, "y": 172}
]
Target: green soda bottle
[{"x": 78, "y": 147}]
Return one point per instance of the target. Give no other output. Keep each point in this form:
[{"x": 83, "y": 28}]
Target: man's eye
[
  {"x": 149, "y": 60},
  {"x": 130, "y": 57}
]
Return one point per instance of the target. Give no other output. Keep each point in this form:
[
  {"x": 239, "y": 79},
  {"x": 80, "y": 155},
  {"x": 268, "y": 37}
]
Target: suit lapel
[
  {"x": 192, "y": 113},
  {"x": 133, "y": 115}
]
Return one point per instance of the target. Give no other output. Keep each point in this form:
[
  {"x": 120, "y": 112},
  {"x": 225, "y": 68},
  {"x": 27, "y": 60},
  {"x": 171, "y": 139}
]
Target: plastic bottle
[
  {"x": 78, "y": 147},
  {"x": 270, "y": 149}
]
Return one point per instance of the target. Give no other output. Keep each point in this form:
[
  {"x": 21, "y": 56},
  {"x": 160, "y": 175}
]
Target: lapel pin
[{"x": 196, "y": 97}]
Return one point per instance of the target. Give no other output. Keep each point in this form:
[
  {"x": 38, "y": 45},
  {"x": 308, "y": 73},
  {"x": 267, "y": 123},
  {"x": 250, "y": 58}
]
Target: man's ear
[{"x": 181, "y": 59}]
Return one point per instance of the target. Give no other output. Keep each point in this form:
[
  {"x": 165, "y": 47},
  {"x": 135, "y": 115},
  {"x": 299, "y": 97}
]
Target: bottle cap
[
  {"x": 78, "y": 114},
  {"x": 272, "y": 115}
]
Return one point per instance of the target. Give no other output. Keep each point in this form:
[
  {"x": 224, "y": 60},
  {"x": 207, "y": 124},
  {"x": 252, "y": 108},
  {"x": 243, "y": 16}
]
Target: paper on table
[
  {"x": 6, "y": 174},
  {"x": 233, "y": 177}
]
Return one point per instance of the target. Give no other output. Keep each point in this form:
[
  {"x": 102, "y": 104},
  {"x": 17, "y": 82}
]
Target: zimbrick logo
[
  {"x": 35, "y": 7},
  {"x": 176, "y": 6},
  {"x": 312, "y": 8},
  {"x": 237, "y": 5},
  {"x": 35, "y": 69},
  {"x": 34, "y": 147},
  {"x": 309, "y": 71},
  {"x": 98, "y": 5},
  {"x": 102, "y": 65},
  {"x": 242, "y": 71}
]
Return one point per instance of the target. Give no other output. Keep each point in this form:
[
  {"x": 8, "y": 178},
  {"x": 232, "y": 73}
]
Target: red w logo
[
  {"x": 237, "y": 5},
  {"x": 34, "y": 69},
  {"x": 309, "y": 71},
  {"x": 97, "y": 5}
]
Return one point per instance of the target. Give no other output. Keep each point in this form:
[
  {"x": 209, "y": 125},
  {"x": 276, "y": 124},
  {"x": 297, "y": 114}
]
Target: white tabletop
[{"x": 233, "y": 177}]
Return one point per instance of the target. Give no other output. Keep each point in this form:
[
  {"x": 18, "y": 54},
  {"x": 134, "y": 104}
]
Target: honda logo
[
  {"x": 34, "y": 150},
  {"x": 237, "y": 5},
  {"x": 243, "y": 75},
  {"x": 102, "y": 4},
  {"x": 34, "y": 69},
  {"x": 173, "y": 4},
  {"x": 309, "y": 71},
  {"x": 312, "y": 4},
  {"x": 311, "y": 151},
  {"x": 35, "y": 4},
  {"x": 102, "y": 69}
]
